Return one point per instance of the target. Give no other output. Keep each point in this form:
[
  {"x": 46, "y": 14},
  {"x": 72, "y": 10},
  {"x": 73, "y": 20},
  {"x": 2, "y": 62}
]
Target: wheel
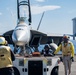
[
  {"x": 54, "y": 71},
  {"x": 16, "y": 71}
]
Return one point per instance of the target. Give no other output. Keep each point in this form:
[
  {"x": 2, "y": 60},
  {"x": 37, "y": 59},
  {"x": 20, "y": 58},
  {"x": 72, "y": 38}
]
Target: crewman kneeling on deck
[
  {"x": 67, "y": 48},
  {"x": 47, "y": 51},
  {"x": 6, "y": 58}
]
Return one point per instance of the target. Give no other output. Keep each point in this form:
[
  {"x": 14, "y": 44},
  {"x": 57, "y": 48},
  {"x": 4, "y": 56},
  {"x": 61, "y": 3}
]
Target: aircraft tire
[
  {"x": 16, "y": 71},
  {"x": 55, "y": 71}
]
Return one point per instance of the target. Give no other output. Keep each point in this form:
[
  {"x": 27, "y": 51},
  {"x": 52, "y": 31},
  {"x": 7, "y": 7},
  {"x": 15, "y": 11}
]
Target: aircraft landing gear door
[{"x": 35, "y": 68}]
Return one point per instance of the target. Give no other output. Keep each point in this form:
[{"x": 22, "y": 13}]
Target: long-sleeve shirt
[{"x": 69, "y": 48}]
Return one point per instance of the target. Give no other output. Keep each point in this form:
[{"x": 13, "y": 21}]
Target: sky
[{"x": 57, "y": 17}]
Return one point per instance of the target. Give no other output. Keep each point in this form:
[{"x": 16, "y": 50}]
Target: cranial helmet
[
  {"x": 65, "y": 37},
  {"x": 46, "y": 46},
  {"x": 2, "y": 41}
]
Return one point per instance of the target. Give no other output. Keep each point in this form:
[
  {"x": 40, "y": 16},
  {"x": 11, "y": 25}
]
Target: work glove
[{"x": 72, "y": 59}]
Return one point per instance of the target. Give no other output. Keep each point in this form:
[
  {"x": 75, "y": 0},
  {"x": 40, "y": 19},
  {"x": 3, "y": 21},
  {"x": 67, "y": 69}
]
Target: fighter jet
[{"x": 23, "y": 35}]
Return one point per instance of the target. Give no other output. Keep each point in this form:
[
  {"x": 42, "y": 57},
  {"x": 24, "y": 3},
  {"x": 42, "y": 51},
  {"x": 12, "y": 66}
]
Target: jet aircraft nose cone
[
  {"x": 17, "y": 37},
  {"x": 21, "y": 35}
]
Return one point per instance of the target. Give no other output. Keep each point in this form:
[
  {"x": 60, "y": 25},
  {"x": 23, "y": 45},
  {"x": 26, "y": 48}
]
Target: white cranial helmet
[{"x": 2, "y": 41}]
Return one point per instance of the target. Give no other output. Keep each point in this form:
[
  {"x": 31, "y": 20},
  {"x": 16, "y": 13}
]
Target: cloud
[
  {"x": 40, "y": 9},
  {"x": 0, "y": 13},
  {"x": 40, "y": 0}
]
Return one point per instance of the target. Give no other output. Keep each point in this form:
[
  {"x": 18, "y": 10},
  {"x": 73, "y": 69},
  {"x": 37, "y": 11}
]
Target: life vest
[
  {"x": 5, "y": 57},
  {"x": 66, "y": 49}
]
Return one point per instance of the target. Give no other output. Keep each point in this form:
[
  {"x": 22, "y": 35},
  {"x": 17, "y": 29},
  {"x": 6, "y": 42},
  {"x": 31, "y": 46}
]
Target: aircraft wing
[
  {"x": 36, "y": 37},
  {"x": 8, "y": 36},
  {"x": 56, "y": 38}
]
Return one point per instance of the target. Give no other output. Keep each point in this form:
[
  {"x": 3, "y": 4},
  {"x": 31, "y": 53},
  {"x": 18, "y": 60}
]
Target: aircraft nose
[
  {"x": 17, "y": 36},
  {"x": 21, "y": 37}
]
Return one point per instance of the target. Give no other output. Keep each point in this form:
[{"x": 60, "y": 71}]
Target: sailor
[
  {"x": 67, "y": 48},
  {"x": 47, "y": 51},
  {"x": 6, "y": 58}
]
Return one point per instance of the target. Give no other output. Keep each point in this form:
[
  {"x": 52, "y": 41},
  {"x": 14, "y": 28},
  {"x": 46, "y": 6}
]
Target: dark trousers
[{"x": 6, "y": 71}]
